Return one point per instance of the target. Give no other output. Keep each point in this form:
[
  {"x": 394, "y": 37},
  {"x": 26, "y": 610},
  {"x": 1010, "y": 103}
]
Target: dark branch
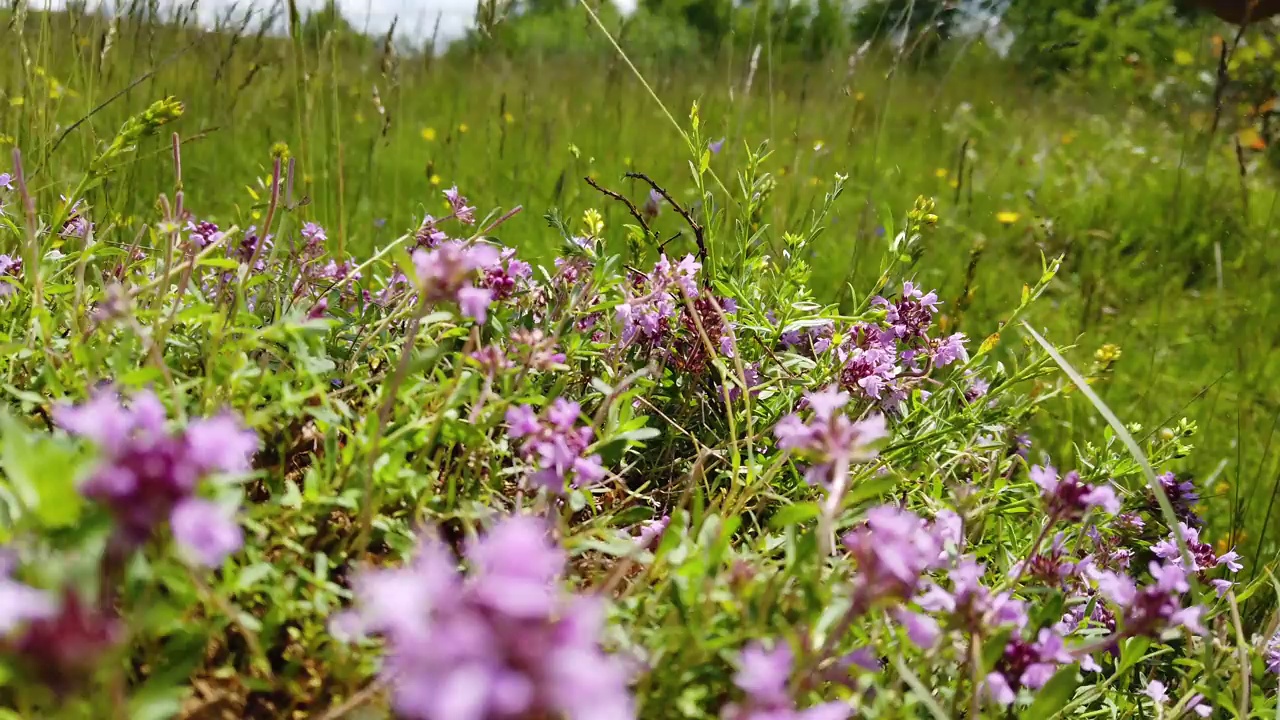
[
  {"x": 665, "y": 243},
  {"x": 622, "y": 199},
  {"x": 697, "y": 229}
]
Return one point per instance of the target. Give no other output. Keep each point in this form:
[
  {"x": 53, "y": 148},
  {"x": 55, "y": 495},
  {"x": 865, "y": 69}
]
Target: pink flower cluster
[
  {"x": 149, "y": 475},
  {"x": 448, "y": 272},
  {"x": 829, "y": 440},
  {"x": 556, "y": 445},
  {"x": 503, "y": 641},
  {"x": 763, "y": 676},
  {"x": 647, "y": 314}
]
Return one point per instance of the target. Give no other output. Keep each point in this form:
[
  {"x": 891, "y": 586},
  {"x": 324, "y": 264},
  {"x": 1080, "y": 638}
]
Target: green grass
[{"x": 1141, "y": 207}]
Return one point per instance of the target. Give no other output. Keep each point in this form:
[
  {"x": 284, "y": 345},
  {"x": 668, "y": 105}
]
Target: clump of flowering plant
[{"x": 503, "y": 640}]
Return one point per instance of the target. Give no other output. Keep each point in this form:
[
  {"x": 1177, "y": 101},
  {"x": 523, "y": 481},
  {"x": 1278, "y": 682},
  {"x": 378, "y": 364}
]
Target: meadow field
[{"x": 662, "y": 383}]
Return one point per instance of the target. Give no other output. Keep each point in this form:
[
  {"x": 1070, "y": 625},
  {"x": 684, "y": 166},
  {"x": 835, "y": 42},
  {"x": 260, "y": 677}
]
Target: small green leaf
[
  {"x": 870, "y": 488},
  {"x": 43, "y": 472},
  {"x": 794, "y": 514}
]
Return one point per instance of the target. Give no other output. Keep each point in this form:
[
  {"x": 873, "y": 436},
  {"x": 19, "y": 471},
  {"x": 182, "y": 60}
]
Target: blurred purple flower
[
  {"x": 1148, "y": 610},
  {"x": 206, "y": 531},
  {"x": 1272, "y": 654},
  {"x": 474, "y": 302},
  {"x": 892, "y": 549},
  {"x": 504, "y": 641},
  {"x": 715, "y": 146},
  {"x": 146, "y": 471},
  {"x": 221, "y": 444},
  {"x": 651, "y": 532},
  {"x": 763, "y": 675},
  {"x": 21, "y": 604}
]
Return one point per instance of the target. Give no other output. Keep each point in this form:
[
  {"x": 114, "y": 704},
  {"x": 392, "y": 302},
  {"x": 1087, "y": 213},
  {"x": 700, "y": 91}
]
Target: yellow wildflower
[
  {"x": 1182, "y": 57},
  {"x": 435, "y": 179},
  {"x": 940, "y": 172},
  {"x": 462, "y": 128},
  {"x": 429, "y": 134},
  {"x": 1007, "y": 217},
  {"x": 508, "y": 118}
]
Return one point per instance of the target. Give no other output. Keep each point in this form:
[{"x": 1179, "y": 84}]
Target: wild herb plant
[{"x": 247, "y": 472}]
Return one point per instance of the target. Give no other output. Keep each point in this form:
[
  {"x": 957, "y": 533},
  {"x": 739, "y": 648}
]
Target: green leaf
[
  {"x": 794, "y": 514},
  {"x": 1055, "y": 694},
  {"x": 870, "y": 488},
  {"x": 641, "y": 434},
  {"x": 43, "y": 473},
  {"x": 157, "y": 704}
]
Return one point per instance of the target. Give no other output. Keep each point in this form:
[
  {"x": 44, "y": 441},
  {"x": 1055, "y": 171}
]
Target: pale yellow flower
[
  {"x": 508, "y": 118},
  {"x": 462, "y": 128},
  {"x": 1007, "y": 217},
  {"x": 435, "y": 179},
  {"x": 940, "y": 172},
  {"x": 429, "y": 134}
]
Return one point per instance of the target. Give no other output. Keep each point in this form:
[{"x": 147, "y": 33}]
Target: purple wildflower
[
  {"x": 1156, "y": 691},
  {"x": 203, "y": 234},
  {"x": 146, "y": 471},
  {"x": 911, "y": 316},
  {"x": 651, "y": 532},
  {"x": 555, "y": 447},
  {"x": 21, "y": 604},
  {"x": 893, "y": 548},
  {"x": 463, "y": 212},
  {"x": 751, "y": 372},
  {"x": 1148, "y": 610},
  {"x": 221, "y": 444},
  {"x": 506, "y": 275},
  {"x": 205, "y": 531},
  {"x": 1067, "y": 498},
  {"x": 652, "y": 205},
  {"x": 1026, "y": 665},
  {"x": 830, "y": 440},
  {"x": 1201, "y": 554},
  {"x": 314, "y": 234},
  {"x": 1182, "y": 496},
  {"x": 62, "y": 647},
  {"x": 950, "y": 349},
  {"x": 1272, "y": 654},
  {"x": 428, "y": 236},
  {"x": 503, "y": 641},
  {"x": 969, "y": 605},
  {"x": 474, "y": 302},
  {"x": 763, "y": 675},
  {"x": 715, "y": 145},
  {"x": 10, "y": 267},
  {"x": 6, "y": 181}
]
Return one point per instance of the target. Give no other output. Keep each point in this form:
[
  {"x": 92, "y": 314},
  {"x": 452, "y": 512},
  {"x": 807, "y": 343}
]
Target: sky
[{"x": 417, "y": 17}]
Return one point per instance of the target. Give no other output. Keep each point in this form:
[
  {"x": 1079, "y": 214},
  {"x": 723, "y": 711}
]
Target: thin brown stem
[
  {"x": 697, "y": 228},
  {"x": 631, "y": 207}
]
